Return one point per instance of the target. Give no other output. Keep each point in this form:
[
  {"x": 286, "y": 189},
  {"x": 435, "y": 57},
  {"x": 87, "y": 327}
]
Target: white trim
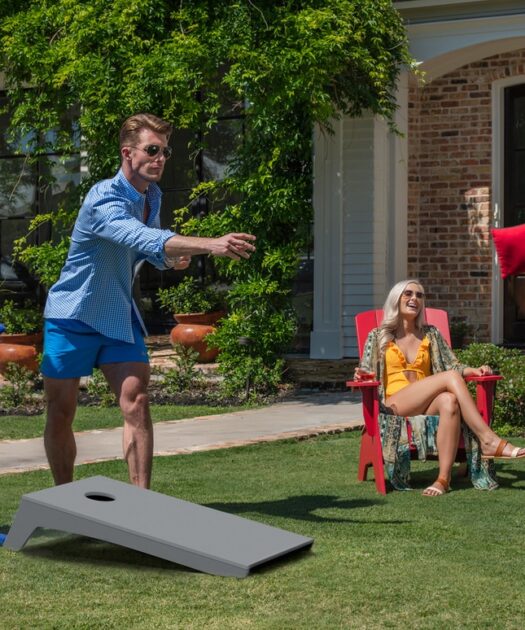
[
  {"x": 398, "y": 215},
  {"x": 419, "y": 4},
  {"x": 380, "y": 202},
  {"x": 326, "y": 340},
  {"x": 443, "y": 64},
  {"x": 443, "y": 46},
  {"x": 498, "y": 174}
]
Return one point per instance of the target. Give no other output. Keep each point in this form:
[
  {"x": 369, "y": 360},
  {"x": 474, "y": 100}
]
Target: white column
[
  {"x": 326, "y": 341},
  {"x": 398, "y": 189}
]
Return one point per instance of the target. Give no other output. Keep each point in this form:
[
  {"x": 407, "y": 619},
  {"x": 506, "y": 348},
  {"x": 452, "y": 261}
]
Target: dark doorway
[{"x": 514, "y": 207}]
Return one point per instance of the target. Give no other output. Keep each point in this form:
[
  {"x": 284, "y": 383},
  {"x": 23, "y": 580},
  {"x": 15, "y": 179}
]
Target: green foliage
[
  {"x": 509, "y": 407},
  {"x": 184, "y": 375},
  {"x": 98, "y": 388},
  {"x": 252, "y": 376},
  {"x": 46, "y": 260},
  {"x": 190, "y": 296},
  {"x": 17, "y": 319},
  {"x": 287, "y": 65},
  {"x": 18, "y": 388},
  {"x": 249, "y": 341}
]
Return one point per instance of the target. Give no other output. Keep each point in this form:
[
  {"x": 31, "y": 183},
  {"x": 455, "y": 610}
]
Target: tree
[{"x": 287, "y": 64}]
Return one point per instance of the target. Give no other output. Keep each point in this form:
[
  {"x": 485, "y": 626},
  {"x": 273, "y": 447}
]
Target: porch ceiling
[{"x": 421, "y": 11}]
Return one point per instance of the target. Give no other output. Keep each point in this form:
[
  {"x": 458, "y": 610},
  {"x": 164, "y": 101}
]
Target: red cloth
[{"x": 510, "y": 246}]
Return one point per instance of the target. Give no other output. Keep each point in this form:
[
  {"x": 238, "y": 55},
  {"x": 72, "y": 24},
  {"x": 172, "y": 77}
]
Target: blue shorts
[{"x": 72, "y": 348}]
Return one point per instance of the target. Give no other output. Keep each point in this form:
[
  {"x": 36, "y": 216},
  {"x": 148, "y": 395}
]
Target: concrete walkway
[{"x": 303, "y": 416}]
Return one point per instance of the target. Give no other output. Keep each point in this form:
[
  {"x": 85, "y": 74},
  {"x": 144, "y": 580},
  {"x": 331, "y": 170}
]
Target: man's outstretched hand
[{"x": 235, "y": 245}]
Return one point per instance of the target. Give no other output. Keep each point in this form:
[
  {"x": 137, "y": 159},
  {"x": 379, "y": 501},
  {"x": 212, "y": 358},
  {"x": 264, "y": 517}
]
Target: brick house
[{"x": 421, "y": 205}]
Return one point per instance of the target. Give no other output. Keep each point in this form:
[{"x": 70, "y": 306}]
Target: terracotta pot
[
  {"x": 191, "y": 331},
  {"x": 17, "y": 353},
  {"x": 23, "y": 339}
]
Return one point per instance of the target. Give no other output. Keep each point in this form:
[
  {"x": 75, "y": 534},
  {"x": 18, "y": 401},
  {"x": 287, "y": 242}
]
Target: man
[{"x": 90, "y": 317}]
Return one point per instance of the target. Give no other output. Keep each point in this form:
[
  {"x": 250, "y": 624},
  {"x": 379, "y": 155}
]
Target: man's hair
[{"x": 130, "y": 130}]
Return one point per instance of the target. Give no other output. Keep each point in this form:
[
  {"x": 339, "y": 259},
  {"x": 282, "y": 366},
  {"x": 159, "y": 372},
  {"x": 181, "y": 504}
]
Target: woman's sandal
[
  {"x": 443, "y": 482},
  {"x": 499, "y": 452}
]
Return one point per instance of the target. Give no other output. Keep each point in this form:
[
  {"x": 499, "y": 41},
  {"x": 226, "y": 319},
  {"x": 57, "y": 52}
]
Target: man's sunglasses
[
  {"x": 154, "y": 149},
  {"x": 408, "y": 293}
]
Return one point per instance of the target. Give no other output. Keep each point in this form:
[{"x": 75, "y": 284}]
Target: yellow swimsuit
[{"x": 396, "y": 365}]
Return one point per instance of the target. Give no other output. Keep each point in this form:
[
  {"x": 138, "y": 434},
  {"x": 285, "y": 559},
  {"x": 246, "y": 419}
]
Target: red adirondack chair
[{"x": 370, "y": 452}]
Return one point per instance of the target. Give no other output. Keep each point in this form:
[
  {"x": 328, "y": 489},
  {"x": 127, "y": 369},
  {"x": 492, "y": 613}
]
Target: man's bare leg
[
  {"x": 61, "y": 397},
  {"x": 129, "y": 382}
]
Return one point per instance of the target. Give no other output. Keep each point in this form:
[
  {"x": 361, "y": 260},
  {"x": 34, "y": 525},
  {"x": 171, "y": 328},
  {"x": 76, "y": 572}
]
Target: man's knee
[
  {"x": 135, "y": 408},
  {"x": 60, "y": 411}
]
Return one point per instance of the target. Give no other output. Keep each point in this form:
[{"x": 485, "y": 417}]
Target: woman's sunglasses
[
  {"x": 408, "y": 293},
  {"x": 154, "y": 149}
]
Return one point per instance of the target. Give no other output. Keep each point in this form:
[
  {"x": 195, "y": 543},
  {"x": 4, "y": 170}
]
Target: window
[{"x": 23, "y": 195}]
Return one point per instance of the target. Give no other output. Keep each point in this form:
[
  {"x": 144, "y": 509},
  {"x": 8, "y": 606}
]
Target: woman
[{"x": 420, "y": 375}]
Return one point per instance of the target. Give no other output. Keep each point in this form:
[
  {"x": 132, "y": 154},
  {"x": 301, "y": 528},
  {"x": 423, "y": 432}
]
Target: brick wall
[{"x": 449, "y": 188}]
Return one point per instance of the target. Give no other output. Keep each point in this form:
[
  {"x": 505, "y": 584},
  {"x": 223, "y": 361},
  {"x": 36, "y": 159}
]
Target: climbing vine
[{"x": 79, "y": 68}]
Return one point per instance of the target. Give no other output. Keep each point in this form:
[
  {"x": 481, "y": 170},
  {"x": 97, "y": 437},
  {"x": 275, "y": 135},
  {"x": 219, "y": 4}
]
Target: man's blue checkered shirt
[{"x": 108, "y": 241}]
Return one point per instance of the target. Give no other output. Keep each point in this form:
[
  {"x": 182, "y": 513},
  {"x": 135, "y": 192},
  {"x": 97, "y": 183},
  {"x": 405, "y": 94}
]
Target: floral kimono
[{"x": 393, "y": 429}]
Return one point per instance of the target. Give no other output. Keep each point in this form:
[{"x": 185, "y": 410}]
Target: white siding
[
  {"x": 365, "y": 221},
  {"x": 326, "y": 340}
]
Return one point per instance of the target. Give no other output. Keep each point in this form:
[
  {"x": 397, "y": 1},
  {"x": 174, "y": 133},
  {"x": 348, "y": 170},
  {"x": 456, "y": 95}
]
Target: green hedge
[{"x": 509, "y": 407}]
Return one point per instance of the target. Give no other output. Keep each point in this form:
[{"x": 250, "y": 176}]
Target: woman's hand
[
  {"x": 361, "y": 374},
  {"x": 484, "y": 370}
]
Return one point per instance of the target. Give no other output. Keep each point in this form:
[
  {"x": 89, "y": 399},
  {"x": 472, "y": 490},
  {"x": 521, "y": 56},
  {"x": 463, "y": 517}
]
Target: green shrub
[
  {"x": 251, "y": 340},
  {"x": 98, "y": 388},
  {"x": 509, "y": 406},
  {"x": 184, "y": 375},
  {"x": 24, "y": 319},
  {"x": 287, "y": 67},
  {"x": 250, "y": 378},
  {"x": 19, "y": 387},
  {"x": 190, "y": 296}
]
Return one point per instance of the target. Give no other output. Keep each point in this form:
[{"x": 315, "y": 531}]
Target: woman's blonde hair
[{"x": 391, "y": 319}]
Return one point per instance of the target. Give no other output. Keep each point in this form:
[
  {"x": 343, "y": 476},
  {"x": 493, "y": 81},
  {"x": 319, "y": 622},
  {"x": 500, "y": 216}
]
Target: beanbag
[{"x": 510, "y": 246}]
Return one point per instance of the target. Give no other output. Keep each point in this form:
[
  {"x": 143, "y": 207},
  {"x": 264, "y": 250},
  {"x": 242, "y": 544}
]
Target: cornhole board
[{"x": 186, "y": 533}]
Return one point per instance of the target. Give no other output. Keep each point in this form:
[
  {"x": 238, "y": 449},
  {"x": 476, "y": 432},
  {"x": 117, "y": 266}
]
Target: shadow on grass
[
  {"x": 83, "y": 550},
  {"x": 38, "y": 533},
  {"x": 89, "y": 551},
  {"x": 508, "y": 477},
  {"x": 277, "y": 563},
  {"x": 302, "y": 508}
]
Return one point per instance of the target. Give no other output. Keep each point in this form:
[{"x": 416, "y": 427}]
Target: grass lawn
[
  {"x": 90, "y": 418},
  {"x": 400, "y": 561}
]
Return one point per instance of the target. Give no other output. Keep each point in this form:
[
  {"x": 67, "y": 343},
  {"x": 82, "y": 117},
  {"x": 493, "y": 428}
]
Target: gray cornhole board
[{"x": 186, "y": 533}]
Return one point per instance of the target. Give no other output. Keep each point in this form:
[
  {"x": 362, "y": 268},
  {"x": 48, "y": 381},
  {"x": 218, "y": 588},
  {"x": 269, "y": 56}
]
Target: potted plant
[
  {"x": 196, "y": 309},
  {"x": 21, "y": 339},
  {"x": 459, "y": 328}
]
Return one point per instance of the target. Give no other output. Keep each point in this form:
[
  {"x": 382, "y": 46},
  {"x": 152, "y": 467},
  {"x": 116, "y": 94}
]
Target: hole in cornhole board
[{"x": 97, "y": 496}]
